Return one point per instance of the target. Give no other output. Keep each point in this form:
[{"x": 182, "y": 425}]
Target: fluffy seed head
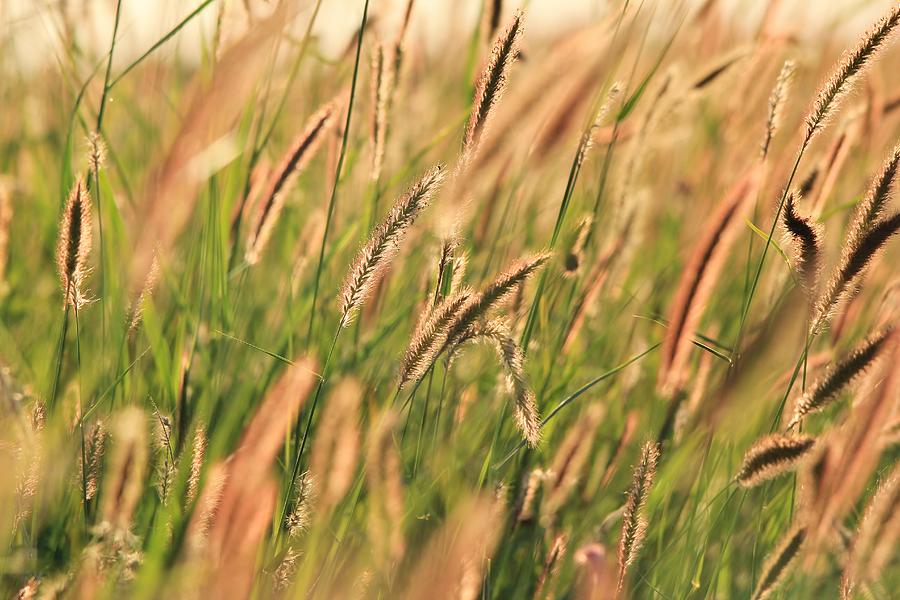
[
  {"x": 197, "y": 456},
  {"x": 282, "y": 178},
  {"x": 634, "y": 519},
  {"x": 805, "y": 237},
  {"x": 587, "y": 139},
  {"x": 127, "y": 468},
  {"x": 74, "y": 244},
  {"x": 532, "y": 485},
  {"x": 491, "y": 86},
  {"x": 95, "y": 453},
  {"x": 96, "y": 152},
  {"x": 772, "y": 456},
  {"x": 137, "y": 309},
  {"x": 879, "y": 531},
  {"x": 429, "y": 337},
  {"x": 512, "y": 358},
  {"x": 385, "y": 484},
  {"x": 827, "y": 388},
  {"x": 493, "y": 10},
  {"x": 779, "y": 562},
  {"x": 305, "y": 499},
  {"x": 495, "y": 292},
  {"x": 777, "y": 100},
  {"x": 336, "y": 449},
  {"x": 872, "y": 207},
  {"x": 848, "y": 70},
  {"x": 857, "y": 256},
  {"x": 384, "y": 243},
  {"x": 575, "y": 256},
  {"x": 698, "y": 281},
  {"x": 382, "y": 84},
  {"x": 868, "y": 231}
]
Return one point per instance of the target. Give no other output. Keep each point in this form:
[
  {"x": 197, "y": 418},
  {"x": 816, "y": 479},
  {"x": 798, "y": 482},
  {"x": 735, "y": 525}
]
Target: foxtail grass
[
  {"x": 876, "y": 540},
  {"x": 773, "y": 456},
  {"x": 634, "y": 519},
  {"x": 777, "y": 100},
  {"x": 73, "y": 247},
  {"x": 512, "y": 358},
  {"x": 806, "y": 239},
  {"x": 491, "y": 86},
  {"x": 868, "y": 232},
  {"x": 826, "y": 102},
  {"x": 848, "y": 71},
  {"x": 825, "y": 390},
  {"x": 382, "y": 82},
  {"x": 376, "y": 255},
  {"x": 698, "y": 281},
  {"x": 281, "y": 179},
  {"x": 336, "y": 449},
  {"x": 430, "y": 336},
  {"x": 780, "y": 561}
]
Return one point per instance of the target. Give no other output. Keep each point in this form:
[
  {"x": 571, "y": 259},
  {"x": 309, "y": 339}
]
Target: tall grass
[{"x": 637, "y": 339}]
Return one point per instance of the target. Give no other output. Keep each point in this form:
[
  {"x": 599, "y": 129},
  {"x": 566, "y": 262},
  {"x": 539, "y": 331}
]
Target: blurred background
[{"x": 33, "y": 31}]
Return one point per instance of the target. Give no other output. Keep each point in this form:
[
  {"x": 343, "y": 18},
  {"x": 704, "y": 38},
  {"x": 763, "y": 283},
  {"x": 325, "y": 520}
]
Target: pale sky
[{"x": 33, "y": 26}]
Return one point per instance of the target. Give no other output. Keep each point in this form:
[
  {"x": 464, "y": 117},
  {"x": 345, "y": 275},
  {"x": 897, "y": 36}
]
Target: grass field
[{"x": 605, "y": 314}]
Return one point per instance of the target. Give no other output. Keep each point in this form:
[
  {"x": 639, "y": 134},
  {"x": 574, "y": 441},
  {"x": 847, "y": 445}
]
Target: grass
[{"x": 432, "y": 488}]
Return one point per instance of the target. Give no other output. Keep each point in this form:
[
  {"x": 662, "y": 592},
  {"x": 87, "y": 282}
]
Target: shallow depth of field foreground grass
[{"x": 600, "y": 314}]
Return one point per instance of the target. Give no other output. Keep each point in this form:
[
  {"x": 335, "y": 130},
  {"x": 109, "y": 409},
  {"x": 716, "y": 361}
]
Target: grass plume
[
  {"x": 73, "y": 247},
  {"x": 805, "y": 237},
  {"x": 777, "y": 100},
  {"x": 698, "y": 281},
  {"x": 282, "y": 178},
  {"x": 868, "y": 231},
  {"x": 634, "y": 519},
  {"x": 826, "y": 389},
  {"x": 376, "y": 255},
  {"x": 779, "y": 563},
  {"x": 773, "y": 456},
  {"x": 491, "y": 86},
  {"x": 848, "y": 70}
]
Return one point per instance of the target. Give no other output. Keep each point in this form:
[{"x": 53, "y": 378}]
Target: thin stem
[
  {"x": 746, "y": 312},
  {"x": 159, "y": 43},
  {"x": 80, "y": 420},
  {"x": 560, "y": 217},
  {"x": 302, "y": 441},
  {"x": 337, "y": 177},
  {"x": 60, "y": 353},
  {"x": 109, "y": 60},
  {"x": 574, "y": 396},
  {"x": 95, "y": 192}
]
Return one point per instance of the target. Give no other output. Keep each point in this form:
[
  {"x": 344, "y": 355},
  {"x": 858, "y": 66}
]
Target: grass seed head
[
  {"x": 73, "y": 247},
  {"x": 777, "y": 100},
  {"x": 773, "y": 456},
  {"x": 281, "y": 179},
  {"x": 848, "y": 70},
  {"x": 375, "y": 257},
  {"x": 779, "y": 563},
  {"x": 634, "y": 518},
  {"x": 826, "y": 389},
  {"x": 805, "y": 238},
  {"x": 491, "y": 86}
]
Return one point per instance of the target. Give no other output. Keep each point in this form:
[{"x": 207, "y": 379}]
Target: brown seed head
[
  {"x": 852, "y": 64},
  {"x": 282, "y": 178},
  {"x": 491, "y": 86},
  {"x": 634, "y": 519},
  {"x": 772, "y": 456},
  {"x": 74, "y": 244}
]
